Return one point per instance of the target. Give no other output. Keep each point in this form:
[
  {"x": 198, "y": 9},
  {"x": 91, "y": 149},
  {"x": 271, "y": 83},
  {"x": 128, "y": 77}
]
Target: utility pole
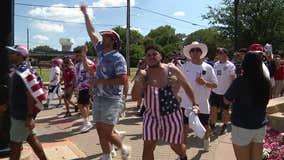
[
  {"x": 28, "y": 39},
  {"x": 128, "y": 37},
  {"x": 236, "y": 29}
]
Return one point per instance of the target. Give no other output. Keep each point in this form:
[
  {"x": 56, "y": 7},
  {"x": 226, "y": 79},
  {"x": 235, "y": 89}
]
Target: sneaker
[
  {"x": 87, "y": 127},
  {"x": 67, "y": 114},
  {"x": 223, "y": 129},
  {"x": 206, "y": 144},
  {"x": 105, "y": 157},
  {"x": 113, "y": 152},
  {"x": 120, "y": 133},
  {"x": 125, "y": 152},
  {"x": 179, "y": 158}
]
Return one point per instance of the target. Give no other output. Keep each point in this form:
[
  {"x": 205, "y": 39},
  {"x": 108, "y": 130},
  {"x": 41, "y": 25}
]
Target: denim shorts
[
  {"x": 18, "y": 131},
  {"x": 107, "y": 110},
  {"x": 242, "y": 136}
]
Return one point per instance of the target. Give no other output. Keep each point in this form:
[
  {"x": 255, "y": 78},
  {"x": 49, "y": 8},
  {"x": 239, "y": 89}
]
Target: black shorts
[
  {"x": 84, "y": 97},
  {"x": 185, "y": 119},
  {"x": 204, "y": 119},
  {"x": 217, "y": 101},
  {"x": 51, "y": 89}
]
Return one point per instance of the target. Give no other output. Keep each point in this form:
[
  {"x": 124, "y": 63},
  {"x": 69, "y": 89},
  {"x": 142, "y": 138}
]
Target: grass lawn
[{"x": 44, "y": 73}]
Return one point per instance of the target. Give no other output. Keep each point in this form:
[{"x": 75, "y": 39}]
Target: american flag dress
[{"x": 162, "y": 119}]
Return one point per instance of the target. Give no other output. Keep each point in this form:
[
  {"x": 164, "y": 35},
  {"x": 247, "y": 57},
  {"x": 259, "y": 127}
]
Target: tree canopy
[{"x": 260, "y": 21}]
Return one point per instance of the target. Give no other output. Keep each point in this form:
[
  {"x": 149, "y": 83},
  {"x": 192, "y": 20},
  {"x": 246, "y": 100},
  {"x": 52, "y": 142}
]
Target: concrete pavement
[{"x": 62, "y": 140}]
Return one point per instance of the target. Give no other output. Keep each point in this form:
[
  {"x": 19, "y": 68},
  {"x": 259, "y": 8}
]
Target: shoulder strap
[{"x": 170, "y": 73}]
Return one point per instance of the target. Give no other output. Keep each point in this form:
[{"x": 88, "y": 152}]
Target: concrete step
[{"x": 276, "y": 121}]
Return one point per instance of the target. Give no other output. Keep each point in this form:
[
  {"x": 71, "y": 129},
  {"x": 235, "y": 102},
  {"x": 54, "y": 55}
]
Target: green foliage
[
  {"x": 212, "y": 38},
  {"x": 259, "y": 21},
  {"x": 43, "y": 48}
]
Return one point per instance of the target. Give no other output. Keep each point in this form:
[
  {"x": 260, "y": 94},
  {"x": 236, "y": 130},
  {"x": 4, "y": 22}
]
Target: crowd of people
[{"x": 167, "y": 94}]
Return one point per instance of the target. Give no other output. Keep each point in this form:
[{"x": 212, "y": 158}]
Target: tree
[
  {"x": 136, "y": 42},
  {"x": 166, "y": 38},
  {"x": 212, "y": 38},
  {"x": 43, "y": 48},
  {"x": 90, "y": 46},
  {"x": 259, "y": 21}
]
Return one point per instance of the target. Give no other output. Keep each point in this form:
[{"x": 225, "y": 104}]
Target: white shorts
[{"x": 242, "y": 136}]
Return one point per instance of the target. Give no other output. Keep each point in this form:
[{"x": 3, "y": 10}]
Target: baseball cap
[
  {"x": 257, "y": 48},
  {"x": 19, "y": 48},
  {"x": 115, "y": 37},
  {"x": 223, "y": 50}
]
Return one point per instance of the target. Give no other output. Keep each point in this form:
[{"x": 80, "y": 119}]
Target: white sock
[{"x": 86, "y": 121}]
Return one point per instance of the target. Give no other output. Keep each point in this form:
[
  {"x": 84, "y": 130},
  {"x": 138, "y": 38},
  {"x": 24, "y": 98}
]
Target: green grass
[{"x": 44, "y": 73}]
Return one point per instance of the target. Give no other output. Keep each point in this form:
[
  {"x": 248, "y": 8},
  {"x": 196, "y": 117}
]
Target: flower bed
[{"x": 273, "y": 147}]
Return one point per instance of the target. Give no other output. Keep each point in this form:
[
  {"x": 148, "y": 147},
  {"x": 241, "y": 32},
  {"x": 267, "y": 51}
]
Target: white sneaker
[
  {"x": 206, "y": 144},
  {"x": 86, "y": 127},
  {"x": 113, "y": 152},
  {"x": 125, "y": 152},
  {"x": 120, "y": 133},
  {"x": 105, "y": 157}
]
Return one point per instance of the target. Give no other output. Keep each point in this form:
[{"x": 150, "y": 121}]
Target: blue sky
[{"x": 69, "y": 23}]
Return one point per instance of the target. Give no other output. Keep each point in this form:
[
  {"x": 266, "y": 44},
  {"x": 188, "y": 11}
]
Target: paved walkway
[{"x": 62, "y": 141}]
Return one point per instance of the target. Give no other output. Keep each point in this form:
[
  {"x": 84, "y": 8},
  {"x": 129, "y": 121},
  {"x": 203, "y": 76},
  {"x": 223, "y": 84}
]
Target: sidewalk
[{"x": 62, "y": 141}]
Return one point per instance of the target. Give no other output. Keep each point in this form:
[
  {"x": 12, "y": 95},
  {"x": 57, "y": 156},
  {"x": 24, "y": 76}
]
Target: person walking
[
  {"x": 162, "y": 118},
  {"x": 69, "y": 79},
  {"x": 26, "y": 96},
  {"x": 202, "y": 78},
  {"x": 225, "y": 72},
  {"x": 249, "y": 95},
  {"x": 83, "y": 77},
  {"x": 111, "y": 76}
]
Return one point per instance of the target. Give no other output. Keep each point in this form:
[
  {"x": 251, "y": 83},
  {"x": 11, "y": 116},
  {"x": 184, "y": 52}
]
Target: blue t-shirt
[
  {"x": 245, "y": 113},
  {"x": 109, "y": 66}
]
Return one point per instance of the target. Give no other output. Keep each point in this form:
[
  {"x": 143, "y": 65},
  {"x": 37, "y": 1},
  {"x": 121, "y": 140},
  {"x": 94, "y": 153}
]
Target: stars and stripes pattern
[
  {"x": 33, "y": 84},
  {"x": 168, "y": 127}
]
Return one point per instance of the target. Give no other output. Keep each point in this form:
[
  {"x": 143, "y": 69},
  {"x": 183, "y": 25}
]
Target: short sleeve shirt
[
  {"x": 54, "y": 70},
  {"x": 82, "y": 75},
  {"x": 224, "y": 72},
  {"x": 202, "y": 93},
  {"x": 109, "y": 66},
  {"x": 245, "y": 113}
]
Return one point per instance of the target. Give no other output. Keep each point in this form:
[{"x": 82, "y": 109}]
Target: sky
[{"x": 50, "y": 20}]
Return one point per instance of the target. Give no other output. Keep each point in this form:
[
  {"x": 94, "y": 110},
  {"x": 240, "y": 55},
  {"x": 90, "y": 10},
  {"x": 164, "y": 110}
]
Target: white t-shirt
[
  {"x": 224, "y": 72},
  {"x": 53, "y": 71},
  {"x": 82, "y": 75},
  {"x": 202, "y": 93},
  {"x": 265, "y": 71}
]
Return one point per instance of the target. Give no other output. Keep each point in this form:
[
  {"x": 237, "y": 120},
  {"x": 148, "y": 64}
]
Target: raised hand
[{"x": 83, "y": 8}]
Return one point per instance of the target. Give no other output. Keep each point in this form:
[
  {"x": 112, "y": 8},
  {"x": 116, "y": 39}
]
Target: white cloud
[
  {"x": 49, "y": 27},
  {"x": 40, "y": 38},
  {"x": 63, "y": 14},
  {"x": 179, "y": 13},
  {"x": 112, "y": 3},
  {"x": 133, "y": 28}
]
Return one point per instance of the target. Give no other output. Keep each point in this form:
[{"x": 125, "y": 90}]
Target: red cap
[{"x": 256, "y": 48}]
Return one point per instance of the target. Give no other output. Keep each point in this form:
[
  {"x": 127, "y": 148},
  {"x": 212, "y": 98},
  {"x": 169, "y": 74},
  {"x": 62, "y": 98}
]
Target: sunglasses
[{"x": 195, "y": 50}]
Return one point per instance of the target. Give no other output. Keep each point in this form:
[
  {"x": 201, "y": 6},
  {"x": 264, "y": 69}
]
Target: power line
[
  {"x": 59, "y": 21},
  {"x": 136, "y": 7},
  {"x": 40, "y": 5},
  {"x": 170, "y": 17}
]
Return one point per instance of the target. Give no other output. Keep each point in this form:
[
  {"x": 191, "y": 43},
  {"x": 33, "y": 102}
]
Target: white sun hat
[{"x": 195, "y": 44}]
